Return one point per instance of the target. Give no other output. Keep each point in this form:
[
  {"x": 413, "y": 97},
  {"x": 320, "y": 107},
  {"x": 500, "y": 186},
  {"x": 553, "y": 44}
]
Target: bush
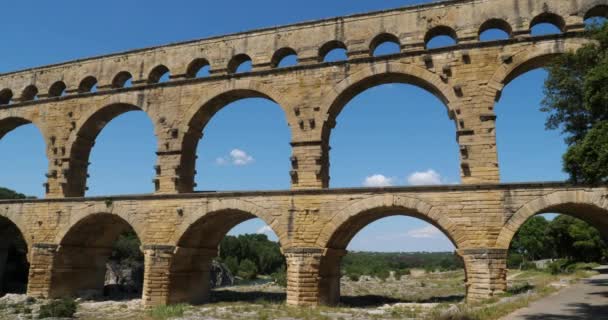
[
  {"x": 401, "y": 272},
  {"x": 557, "y": 266},
  {"x": 63, "y": 308},
  {"x": 280, "y": 277},
  {"x": 248, "y": 270},
  {"x": 528, "y": 266},
  {"x": 353, "y": 277}
]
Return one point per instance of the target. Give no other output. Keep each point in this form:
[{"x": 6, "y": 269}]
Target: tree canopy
[
  {"x": 10, "y": 194},
  {"x": 576, "y": 101}
]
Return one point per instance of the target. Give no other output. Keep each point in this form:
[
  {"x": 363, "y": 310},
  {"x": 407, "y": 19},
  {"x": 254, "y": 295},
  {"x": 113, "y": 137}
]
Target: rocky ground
[{"x": 425, "y": 296}]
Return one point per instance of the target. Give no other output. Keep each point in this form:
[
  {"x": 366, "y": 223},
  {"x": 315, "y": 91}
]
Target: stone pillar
[
  {"x": 330, "y": 274},
  {"x": 303, "y": 266},
  {"x": 3, "y": 261},
  {"x": 171, "y": 177},
  {"x": 77, "y": 270},
  {"x": 486, "y": 272},
  {"x": 190, "y": 281},
  {"x": 476, "y": 136},
  {"x": 157, "y": 264},
  {"x": 310, "y": 165},
  {"x": 42, "y": 258}
]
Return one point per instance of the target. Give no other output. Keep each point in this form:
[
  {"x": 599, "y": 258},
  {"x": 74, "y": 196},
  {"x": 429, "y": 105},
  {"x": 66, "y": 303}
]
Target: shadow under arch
[
  {"x": 338, "y": 233},
  {"x": 200, "y": 114},
  {"x": 14, "y": 265},
  {"x": 197, "y": 241},
  {"x": 85, "y": 245},
  {"x": 81, "y": 143},
  {"x": 591, "y": 207}
]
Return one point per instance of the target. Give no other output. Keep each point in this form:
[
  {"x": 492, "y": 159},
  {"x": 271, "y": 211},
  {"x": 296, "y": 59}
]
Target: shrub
[
  {"x": 280, "y": 277},
  {"x": 353, "y": 277},
  {"x": 63, "y": 308},
  {"x": 528, "y": 266},
  {"x": 557, "y": 266},
  {"x": 248, "y": 270}
]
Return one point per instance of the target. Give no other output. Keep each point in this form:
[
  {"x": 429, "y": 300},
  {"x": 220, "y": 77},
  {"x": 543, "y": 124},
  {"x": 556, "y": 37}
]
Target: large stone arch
[
  {"x": 246, "y": 210},
  {"x": 17, "y": 218},
  {"x": 385, "y": 205},
  {"x": 532, "y": 57},
  {"x": 197, "y": 240},
  {"x": 376, "y": 74},
  {"x": 81, "y": 141},
  {"x": 84, "y": 247},
  {"x": 344, "y": 225},
  {"x": 198, "y": 115},
  {"x": 591, "y": 206},
  {"x": 82, "y": 213},
  {"x": 14, "y": 254}
]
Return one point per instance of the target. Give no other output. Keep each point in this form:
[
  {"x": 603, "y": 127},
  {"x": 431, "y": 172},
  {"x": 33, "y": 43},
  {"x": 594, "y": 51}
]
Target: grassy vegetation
[
  {"x": 167, "y": 312},
  {"x": 62, "y": 308}
]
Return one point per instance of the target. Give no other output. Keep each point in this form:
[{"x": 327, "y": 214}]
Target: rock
[{"x": 220, "y": 275}]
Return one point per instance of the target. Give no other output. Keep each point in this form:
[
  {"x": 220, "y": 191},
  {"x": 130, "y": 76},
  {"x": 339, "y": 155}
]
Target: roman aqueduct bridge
[{"x": 68, "y": 236}]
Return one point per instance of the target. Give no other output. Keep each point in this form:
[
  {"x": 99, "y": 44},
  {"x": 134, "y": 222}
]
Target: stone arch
[
  {"x": 156, "y": 73},
  {"x": 115, "y": 210},
  {"x": 120, "y": 79},
  {"x": 14, "y": 259},
  {"x": 82, "y": 140},
  {"x": 197, "y": 240},
  {"x": 440, "y": 30},
  {"x": 85, "y": 245},
  {"x": 496, "y": 23},
  {"x": 340, "y": 230},
  {"x": 338, "y": 97},
  {"x": 238, "y": 210},
  {"x": 281, "y": 54},
  {"x": 87, "y": 84},
  {"x": 586, "y": 205},
  {"x": 195, "y": 66},
  {"x": 197, "y": 117},
  {"x": 11, "y": 123},
  {"x": 6, "y": 95},
  {"x": 16, "y": 218},
  {"x": 359, "y": 214},
  {"x": 57, "y": 89},
  {"x": 329, "y": 46},
  {"x": 551, "y": 18},
  {"x": 595, "y": 9},
  {"x": 381, "y": 38},
  {"x": 29, "y": 93},
  {"x": 237, "y": 61},
  {"x": 523, "y": 61}
]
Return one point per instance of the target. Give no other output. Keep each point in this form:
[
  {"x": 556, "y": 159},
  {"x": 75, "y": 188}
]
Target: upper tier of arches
[{"x": 266, "y": 48}]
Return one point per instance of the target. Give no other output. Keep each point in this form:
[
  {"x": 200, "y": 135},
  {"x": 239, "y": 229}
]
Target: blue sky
[{"x": 389, "y": 135}]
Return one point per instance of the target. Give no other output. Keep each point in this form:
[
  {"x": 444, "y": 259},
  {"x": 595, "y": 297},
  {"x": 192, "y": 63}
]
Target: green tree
[
  {"x": 10, "y": 194},
  {"x": 531, "y": 241},
  {"x": 576, "y": 100}
]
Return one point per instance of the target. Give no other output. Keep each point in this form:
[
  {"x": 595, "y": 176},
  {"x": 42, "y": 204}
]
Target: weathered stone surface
[{"x": 69, "y": 237}]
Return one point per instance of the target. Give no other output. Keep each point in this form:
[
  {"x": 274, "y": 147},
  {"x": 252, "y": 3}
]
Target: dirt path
[{"x": 585, "y": 300}]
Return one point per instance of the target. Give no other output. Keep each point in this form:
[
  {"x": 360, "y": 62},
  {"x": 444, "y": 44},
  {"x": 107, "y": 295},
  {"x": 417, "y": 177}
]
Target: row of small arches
[{"x": 382, "y": 44}]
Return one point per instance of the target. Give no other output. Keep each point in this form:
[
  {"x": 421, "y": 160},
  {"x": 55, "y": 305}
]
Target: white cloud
[
  {"x": 424, "y": 232},
  {"x": 422, "y": 178},
  {"x": 378, "y": 180},
  {"x": 264, "y": 229},
  {"x": 236, "y": 157}
]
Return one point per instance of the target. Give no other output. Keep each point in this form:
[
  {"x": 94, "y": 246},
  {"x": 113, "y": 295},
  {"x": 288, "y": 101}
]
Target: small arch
[
  {"x": 57, "y": 89},
  {"x": 599, "y": 11},
  {"x": 87, "y": 84},
  {"x": 197, "y": 67},
  {"x": 280, "y": 57},
  {"x": 121, "y": 80},
  {"x": 495, "y": 29},
  {"x": 440, "y": 36},
  {"x": 541, "y": 24},
  {"x": 6, "y": 96},
  {"x": 384, "y": 44},
  {"x": 239, "y": 64},
  {"x": 159, "y": 74},
  {"x": 331, "y": 51},
  {"x": 30, "y": 93}
]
